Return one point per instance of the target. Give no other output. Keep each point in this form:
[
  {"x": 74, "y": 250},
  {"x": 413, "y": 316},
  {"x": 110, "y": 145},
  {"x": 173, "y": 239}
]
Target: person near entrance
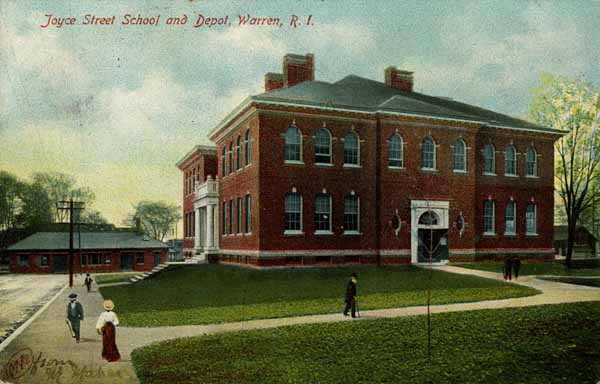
[
  {"x": 508, "y": 269},
  {"x": 350, "y": 298},
  {"x": 74, "y": 316},
  {"x": 88, "y": 282},
  {"x": 516, "y": 263}
]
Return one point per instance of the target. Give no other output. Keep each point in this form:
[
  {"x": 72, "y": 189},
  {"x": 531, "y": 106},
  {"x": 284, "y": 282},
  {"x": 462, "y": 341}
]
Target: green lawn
[
  {"x": 591, "y": 282},
  {"x": 545, "y": 344},
  {"x": 114, "y": 277},
  {"x": 215, "y": 293},
  {"x": 548, "y": 268}
]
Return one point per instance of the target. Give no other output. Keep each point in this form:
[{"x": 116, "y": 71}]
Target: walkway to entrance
[{"x": 48, "y": 335}]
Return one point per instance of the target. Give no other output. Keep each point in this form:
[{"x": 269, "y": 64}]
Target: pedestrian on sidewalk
[
  {"x": 74, "y": 315},
  {"x": 106, "y": 326},
  {"x": 508, "y": 269},
  {"x": 516, "y": 266},
  {"x": 88, "y": 282},
  {"x": 350, "y": 298}
]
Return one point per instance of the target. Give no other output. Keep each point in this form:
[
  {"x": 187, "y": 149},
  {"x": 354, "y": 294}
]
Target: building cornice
[{"x": 197, "y": 149}]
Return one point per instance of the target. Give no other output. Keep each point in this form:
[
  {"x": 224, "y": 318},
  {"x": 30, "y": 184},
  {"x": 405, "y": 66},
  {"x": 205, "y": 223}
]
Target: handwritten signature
[{"x": 27, "y": 362}]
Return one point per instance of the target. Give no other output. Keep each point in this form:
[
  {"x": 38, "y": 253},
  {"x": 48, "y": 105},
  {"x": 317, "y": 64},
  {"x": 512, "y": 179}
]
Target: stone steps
[{"x": 143, "y": 276}]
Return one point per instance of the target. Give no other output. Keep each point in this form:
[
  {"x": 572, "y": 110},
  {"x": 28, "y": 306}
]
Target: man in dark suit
[
  {"x": 74, "y": 314},
  {"x": 350, "y": 298}
]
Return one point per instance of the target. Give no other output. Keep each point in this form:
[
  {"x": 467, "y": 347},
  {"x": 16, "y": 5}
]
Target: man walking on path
[
  {"x": 508, "y": 269},
  {"x": 74, "y": 315},
  {"x": 88, "y": 282},
  {"x": 350, "y": 298}
]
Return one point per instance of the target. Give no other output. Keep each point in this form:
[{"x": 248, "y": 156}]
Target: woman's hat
[{"x": 109, "y": 305}]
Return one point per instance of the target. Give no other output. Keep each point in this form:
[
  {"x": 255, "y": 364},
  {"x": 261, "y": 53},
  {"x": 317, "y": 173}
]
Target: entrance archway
[{"x": 429, "y": 231}]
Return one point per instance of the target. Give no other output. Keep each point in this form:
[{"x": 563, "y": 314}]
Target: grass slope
[
  {"x": 556, "y": 268},
  {"x": 114, "y": 277},
  {"x": 545, "y": 344},
  {"x": 215, "y": 293}
]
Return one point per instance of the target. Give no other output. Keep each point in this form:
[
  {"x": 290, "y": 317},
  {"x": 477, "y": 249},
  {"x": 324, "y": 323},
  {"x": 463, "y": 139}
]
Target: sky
[{"x": 118, "y": 105}]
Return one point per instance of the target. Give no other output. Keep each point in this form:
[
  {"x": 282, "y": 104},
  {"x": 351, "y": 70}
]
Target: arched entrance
[{"x": 429, "y": 231}]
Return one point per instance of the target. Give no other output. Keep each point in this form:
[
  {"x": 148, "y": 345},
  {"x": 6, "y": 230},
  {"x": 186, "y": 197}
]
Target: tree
[
  {"x": 156, "y": 218},
  {"x": 60, "y": 186},
  {"x": 574, "y": 107},
  {"x": 10, "y": 200}
]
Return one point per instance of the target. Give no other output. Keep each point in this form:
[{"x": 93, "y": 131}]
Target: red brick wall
[{"x": 115, "y": 265}]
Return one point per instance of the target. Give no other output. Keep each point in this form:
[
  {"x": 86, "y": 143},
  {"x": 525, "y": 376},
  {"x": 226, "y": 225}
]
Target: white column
[
  {"x": 210, "y": 227},
  {"x": 197, "y": 229}
]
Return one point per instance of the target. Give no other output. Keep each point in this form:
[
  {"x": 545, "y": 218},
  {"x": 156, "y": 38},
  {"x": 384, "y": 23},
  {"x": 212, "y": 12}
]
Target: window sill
[
  {"x": 429, "y": 170},
  {"x": 489, "y": 174},
  {"x": 395, "y": 168},
  {"x": 490, "y": 234},
  {"x": 510, "y": 175},
  {"x": 294, "y": 162},
  {"x": 293, "y": 233},
  {"x": 324, "y": 165},
  {"x": 352, "y": 166},
  {"x": 510, "y": 235},
  {"x": 323, "y": 233},
  {"x": 459, "y": 171},
  {"x": 248, "y": 165},
  {"x": 352, "y": 233},
  {"x": 532, "y": 177},
  {"x": 531, "y": 234},
  {"x": 248, "y": 234}
]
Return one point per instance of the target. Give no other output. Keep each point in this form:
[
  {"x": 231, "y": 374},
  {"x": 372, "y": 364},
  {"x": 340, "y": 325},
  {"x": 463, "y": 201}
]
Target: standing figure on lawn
[
  {"x": 88, "y": 281},
  {"x": 106, "y": 326},
  {"x": 74, "y": 316},
  {"x": 508, "y": 269},
  {"x": 516, "y": 266},
  {"x": 350, "y": 298}
]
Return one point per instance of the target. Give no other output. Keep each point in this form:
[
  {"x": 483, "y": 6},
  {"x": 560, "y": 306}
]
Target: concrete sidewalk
[{"x": 81, "y": 363}]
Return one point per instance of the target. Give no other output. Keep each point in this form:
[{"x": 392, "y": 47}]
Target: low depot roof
[
  {"x": 48, "y": 241},
  {"x": 360, "y": 94}
]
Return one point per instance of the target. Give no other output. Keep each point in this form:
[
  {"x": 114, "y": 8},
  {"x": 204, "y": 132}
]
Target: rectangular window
[
  {"x": 351, "y": 214},
  {"x": 509, "y": 218},
  {"x": 139, "y": 258},
  {"x": 489, "y": 216},
  {"x": 107, "y": 259},
  {"x": 323, "y": 213},
  {"x": 293, "y": 212},
  {"x": 23, "y": 260},
  {"x": 224, "y": 219},
  {"x": 248, "y": 214},
  {"x": 531, "y": 219},
  {"x": 230, "y": 217},
  {"x": 239, "y": 215},
  {"x": 43, "y": 260},
  {"x": 92, "y": 259}
]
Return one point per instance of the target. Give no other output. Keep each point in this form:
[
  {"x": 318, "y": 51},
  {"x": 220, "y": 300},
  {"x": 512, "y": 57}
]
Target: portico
[{"x": 206, "y": 200}]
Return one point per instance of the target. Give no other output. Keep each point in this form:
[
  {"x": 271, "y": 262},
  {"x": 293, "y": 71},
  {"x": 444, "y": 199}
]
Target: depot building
[{"x": 366, "y": 171}]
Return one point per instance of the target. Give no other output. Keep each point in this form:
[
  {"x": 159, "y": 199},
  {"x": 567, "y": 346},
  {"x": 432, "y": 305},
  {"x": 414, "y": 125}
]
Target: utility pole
[{"x": 71, "y": 206}]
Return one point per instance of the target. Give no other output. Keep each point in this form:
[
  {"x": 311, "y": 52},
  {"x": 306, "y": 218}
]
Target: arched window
[
  {"x": 429, "y": 218},
  {"x": 510, "y": 161},
  {"x": 231, "y": 157},
  {"x": 510, "y": 215},
  {"x": 489, "y": 217},
  {"x": 351, "y": 214},
  {"x": 428, "y": 153},
  {"x": 351, "y": 149},
  {"x": 459, "y": 156},
  {"x": 223, "y": 165},
  {"x": 531, "y": 162},
  {"x": 293, "y": 144},
  {"x": 396, "y": 151},
  {"x": 293, "y": 212},
  {"x": 238, "y": 153},
  {"x": 323, "y": 146},
  {"x": 323, "y": 212},
  {"x": 248, "y": 144},
  {"x": 489, "y": 159},
  {"x": 531, "y": 219}
]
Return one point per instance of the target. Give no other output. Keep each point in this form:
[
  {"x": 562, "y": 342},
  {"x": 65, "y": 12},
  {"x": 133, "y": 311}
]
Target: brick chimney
[
  {"x": 296, "y": 69},
  {"x": 273, "y": 81},
  {"x": 402, "y": 80}
]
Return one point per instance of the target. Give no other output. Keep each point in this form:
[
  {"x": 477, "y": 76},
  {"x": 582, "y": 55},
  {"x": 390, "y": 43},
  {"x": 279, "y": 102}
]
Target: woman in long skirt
[{"x": 106, "y": 326}]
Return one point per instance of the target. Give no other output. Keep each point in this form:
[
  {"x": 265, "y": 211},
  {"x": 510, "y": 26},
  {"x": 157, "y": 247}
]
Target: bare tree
[{"x": 574, "y": 107}]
